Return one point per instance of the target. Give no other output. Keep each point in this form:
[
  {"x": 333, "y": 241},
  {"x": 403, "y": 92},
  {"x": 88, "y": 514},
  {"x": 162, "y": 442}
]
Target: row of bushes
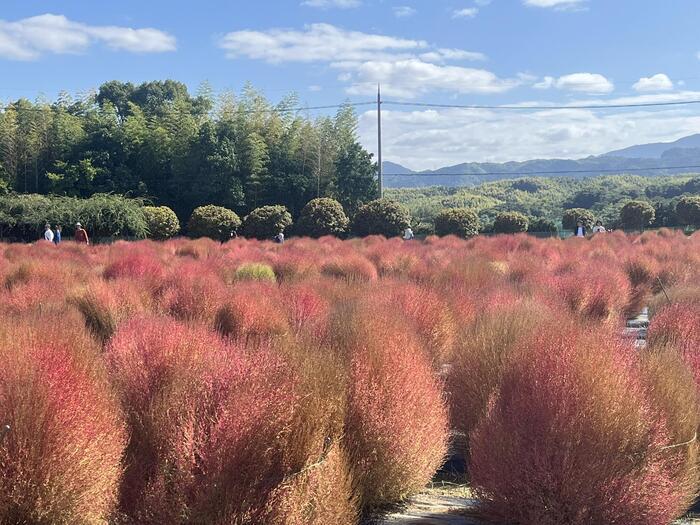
[{"x": 108, "y": 216}]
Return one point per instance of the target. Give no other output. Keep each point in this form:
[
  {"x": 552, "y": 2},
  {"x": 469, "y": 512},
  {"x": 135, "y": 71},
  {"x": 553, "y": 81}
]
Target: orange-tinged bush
[
  {"x": 482, "y": 355},
  {"x": 350, "y": 267},
  {"x": 572, "y": 438},
  {"x": 251, "y": 312},
  {"x": 678, "y": 326},
  {"x": 61, "y": 460},
  {"x": 396, "y": 423}
]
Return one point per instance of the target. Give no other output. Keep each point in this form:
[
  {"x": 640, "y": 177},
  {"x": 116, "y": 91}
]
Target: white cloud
[
  {"x": 405, "y": 67},
  {"x": 658, "y": 82},
  {"x": 468, "y": 12},
  {"x": 443, "y": 55},
  {"x": 315, "y": 88},
  {"x": 431, "y": 139},
  {"x": 556, "y": 4},
  {"x": 30, "y": 38},
  {"x": 593, "y": 83},
  {"x": 410, "y": 78},
  {"x": 316, "y": 43},
  {"x": 404, "y": 11},
  {"x": 325, "y": 4}
]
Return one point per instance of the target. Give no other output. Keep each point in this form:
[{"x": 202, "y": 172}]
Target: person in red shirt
[{"x": 81, "y": 236}]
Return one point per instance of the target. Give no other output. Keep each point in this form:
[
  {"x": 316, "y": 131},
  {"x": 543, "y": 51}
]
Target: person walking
[
  {"x": 599, "y": 228},
  {"x": 580, "y": 229},
  {"x": 57, "y": 235},
  {"x": 408, "y": 234},
  {"x": 48, "y": 233},
  {"x": 279, "y": 239},
  {"x": 81, "y": 236}
]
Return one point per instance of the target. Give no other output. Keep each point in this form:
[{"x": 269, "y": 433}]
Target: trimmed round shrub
[
  {"x": 542, "y": 225},
  {"x": 688, "y": 210},
  {"x": 214, "y": 222},
  {"x": 461, "y": 222},
  {"x": 265, "y": 222},
  {"x": 381, "y": 217},
  {"x": 254, "y": 272},
  {"x": 510, "y": 222},
  {"x": 162, "y": 222},
  {"x": 572, "y": 438},
  {"x": 321, "y": 217},
  {"x": 637, "y": 215},
  {"x": 61, "y": 460},
  {"x": 573, "y": 215}
]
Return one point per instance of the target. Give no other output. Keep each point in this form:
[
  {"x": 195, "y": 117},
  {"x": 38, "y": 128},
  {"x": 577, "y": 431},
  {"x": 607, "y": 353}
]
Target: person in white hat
[{"x": 81, "y": 236}]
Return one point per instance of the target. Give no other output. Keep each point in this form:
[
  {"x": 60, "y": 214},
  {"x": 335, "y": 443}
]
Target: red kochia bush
[
  {"x": 61, "y": 460},
  {"x": 571, "y": 439},
  {"x": 207, "y": 424},
  {"x": 678, "y": 326},
  {"x": 396, "y": 423},
  {"x": 134, "y": 266}
]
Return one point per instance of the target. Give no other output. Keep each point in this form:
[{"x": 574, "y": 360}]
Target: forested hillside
[
  {"x": 157, "y": 141},
  {"x": 549, "y": 197}
]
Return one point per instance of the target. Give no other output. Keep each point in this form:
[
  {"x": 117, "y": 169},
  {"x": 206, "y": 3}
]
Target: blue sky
[{"x": 440, "y": 51}]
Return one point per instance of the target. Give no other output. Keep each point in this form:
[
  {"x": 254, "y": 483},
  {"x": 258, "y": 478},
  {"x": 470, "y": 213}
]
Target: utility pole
[{"x": 379, "y": 139}]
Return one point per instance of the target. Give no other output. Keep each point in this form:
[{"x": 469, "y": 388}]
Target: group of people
[
  {"x": 581, "y": 228},
  {"x": 55, "y": 235}
]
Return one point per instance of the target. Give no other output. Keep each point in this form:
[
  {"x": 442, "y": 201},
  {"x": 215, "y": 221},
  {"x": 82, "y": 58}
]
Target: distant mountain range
[{"x": 646, "y": 159}]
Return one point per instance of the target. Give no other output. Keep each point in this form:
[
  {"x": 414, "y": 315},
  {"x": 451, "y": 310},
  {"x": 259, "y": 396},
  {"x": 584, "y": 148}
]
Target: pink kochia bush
[
  {"x": 207, "y": 423},
  {"x": 572, "y": 438},
  {"x": 396, "y": 424},
  {"x": 61, "y": 460}
]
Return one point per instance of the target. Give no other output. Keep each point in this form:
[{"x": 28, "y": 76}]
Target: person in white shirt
[
  {"x": 408, "y": 234},
  {"x": 599, "y": 228},
  {"x": 580, "y": 230},
  {"x": 48, "y": 233},
  {"x": 279, "y": 238}
]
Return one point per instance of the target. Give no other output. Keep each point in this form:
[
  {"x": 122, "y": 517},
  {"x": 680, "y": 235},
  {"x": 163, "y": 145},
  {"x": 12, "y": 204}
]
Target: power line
[
  {"x": 431, "y": 105},
  {"x": 542, "y": 108},
  {"x": 553, "y": 172},
  {"x": 247, "y": 111}
]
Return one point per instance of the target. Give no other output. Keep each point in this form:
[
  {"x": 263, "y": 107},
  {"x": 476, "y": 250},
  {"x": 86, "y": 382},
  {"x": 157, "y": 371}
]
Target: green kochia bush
[
  {"x": 381, "y": 217},
  {"x": 254, "y": 272},
  {"x": 266, "y": 222},
  {"x": 510, "y": 222},
  {"x": 162, "y": 222},
  {"x": 214, "y": 222},
  {"x": 461, "y": 222},
  {"x": 322, "y": 217}
]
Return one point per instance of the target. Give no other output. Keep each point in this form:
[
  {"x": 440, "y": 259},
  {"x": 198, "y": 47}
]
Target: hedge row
[{"x": 22, "y": 217}]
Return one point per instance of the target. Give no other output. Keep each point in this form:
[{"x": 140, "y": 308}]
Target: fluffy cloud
[
  {"x": 404, "y": 11},
  {"x": 316, "y": 43},
  {"x": 406, "y": 68},
  {"x": 658, "y": 82},
  {"x": 30, "y": 38},
  {"x": 325, "y": 4},
  {"x": 468, "y": 12},
  {"x": 556, "y": 4},
  {"x": 431, "y": 139},
  {"x": 581, "y": 82}
]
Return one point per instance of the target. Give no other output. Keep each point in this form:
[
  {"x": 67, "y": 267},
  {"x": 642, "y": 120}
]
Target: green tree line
[{"x": 156, "y": 141}]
